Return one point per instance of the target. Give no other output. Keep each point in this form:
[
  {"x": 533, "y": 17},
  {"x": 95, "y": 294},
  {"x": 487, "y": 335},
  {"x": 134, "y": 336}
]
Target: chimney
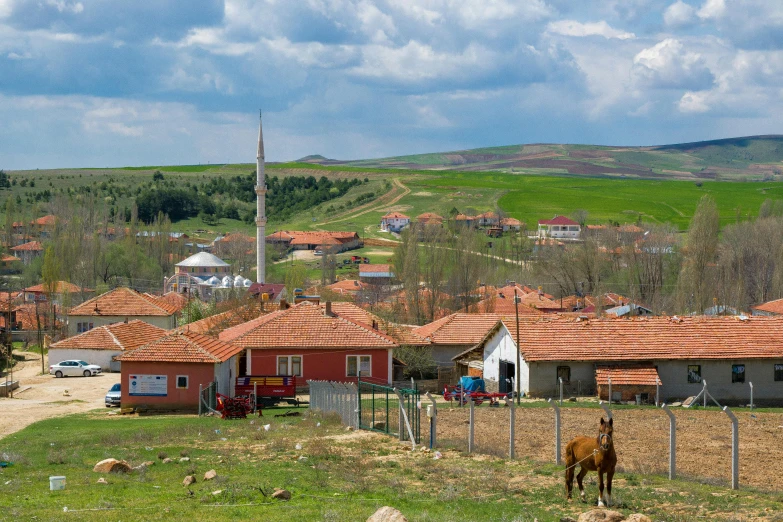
[
  {"x": 283, "y": 304},
  {"x": 328, "y": 310},
  {"x": 374, "y": 324}
]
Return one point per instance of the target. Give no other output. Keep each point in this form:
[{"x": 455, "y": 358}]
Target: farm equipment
[
  {"x": 235, "y": 407},
  {"x": 472, "y": 388},
  {"x": 268, "y": 390}
]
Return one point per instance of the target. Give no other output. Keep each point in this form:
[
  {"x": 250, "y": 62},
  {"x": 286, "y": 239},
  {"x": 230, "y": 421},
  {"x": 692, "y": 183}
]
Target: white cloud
[
  {"x": 66, "y": 7},
  {"x": 375, "y": 24},
  {"x": 478, "y": 12},
  {"x": 694, "y": 102},
  {"x": 214, "y": 40},
  {"x": 312, "y": 54},
  {"x": 6, "y": 8},
  {"x": 712, "y": 9},
  {"x": 679, "y": 14},
  {"x": 668, "y": 65},
  {"x": 574, "y": 28}
]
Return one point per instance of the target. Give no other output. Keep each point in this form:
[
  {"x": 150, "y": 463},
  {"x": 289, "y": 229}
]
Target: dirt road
[{"x": 43, "y": 396}]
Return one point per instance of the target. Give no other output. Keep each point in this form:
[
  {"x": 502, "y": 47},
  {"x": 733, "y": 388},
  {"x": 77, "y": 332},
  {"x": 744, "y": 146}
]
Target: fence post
[
  {"x": 657, "y": 392},
  {"x": 610, "y": 394},
  {"x": 734, "y": 448},
  {"x": 751, "y": 395},
  {"x": 433, "y": 421},
  {"x": 557, "y": 430},
  {"x": 255, "y": 397},
  {"x": 705, "y": 392},
  {"x": 512, "y": 425},
  {"x": 561, "y": 390},
  {"x": 200, "y": 398},
  {"x": 404, "y": 415},
  {"x": 672, "y": 442},
  {"x": 606, "y": 408},
  {"x": 470, "y": 426}
]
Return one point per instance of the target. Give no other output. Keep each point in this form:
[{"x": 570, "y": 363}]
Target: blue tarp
[{"x": 471, "y": 384}]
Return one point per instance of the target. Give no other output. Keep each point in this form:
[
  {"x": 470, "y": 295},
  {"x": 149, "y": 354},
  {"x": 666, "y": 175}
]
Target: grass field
[{"x": 337, "y": 475}]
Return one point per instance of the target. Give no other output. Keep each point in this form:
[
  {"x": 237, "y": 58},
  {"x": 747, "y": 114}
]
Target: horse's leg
[
  {"x": 579, "y": 478},
  {"x": 600, "y": 487},
  {"x": 569, "y": 479},
  {"x": 609, "y": 475}
]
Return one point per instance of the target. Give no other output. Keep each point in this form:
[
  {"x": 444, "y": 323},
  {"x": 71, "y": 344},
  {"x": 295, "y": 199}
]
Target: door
[
  {"x": 71, "y": 368},
  {"x": 505, "y": 376}
]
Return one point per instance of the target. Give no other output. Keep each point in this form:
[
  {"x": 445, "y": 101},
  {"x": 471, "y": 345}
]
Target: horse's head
[{"x": 605, "y": 434}]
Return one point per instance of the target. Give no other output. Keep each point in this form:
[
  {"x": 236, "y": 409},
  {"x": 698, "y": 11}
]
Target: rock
[
  {"x": 112, "y": 466},
  {"x": 567, "y": 519},
  {"x": 209, "y": 475},
  {"x": 601, "y": 515},
  {"x": 379, "y": 425},
  {"x": 281, "y": 494},
  {"x": 572, "y": 399},
  {"x": 102, "y": 481},
  {"x": 638, "y": 517},
  {"x": 688, "y": 401},
  {"x": 387, "y": 514},
  {"x": 167, "y": 460},
  {"x": 185, "y": 459},
  {"x": 349, "y": 428},
  {"x": 218, "y": 492},
  {"x": 147, "y": 463},
  {"x": 190, "y": 479},
  {"x": 675, "y": 404}
]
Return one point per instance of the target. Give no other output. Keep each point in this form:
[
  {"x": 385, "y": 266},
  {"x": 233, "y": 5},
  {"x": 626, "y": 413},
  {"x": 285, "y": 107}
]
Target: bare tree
[{"x": 696, "y": 284}]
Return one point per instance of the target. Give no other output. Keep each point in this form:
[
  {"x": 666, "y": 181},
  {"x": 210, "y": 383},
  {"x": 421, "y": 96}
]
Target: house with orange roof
[
  {"x": 310, "y": 240},
  {"x": 512, "y": 224},
  {"x": 313, "y": 342},
  {"x": 488, "y": 219},
  {"x": 465, "y": 220},
  {"x": 28, "y": 251},
  {"x": 461, "y": 333},
  {"x": 44, "y": 225},
  {"x": 376, "y": 274},
  {"x": 119, "y": 305},
  {"x": 774, "y": 307},
  {"x": 100, "y": 345},
  {"x": 559, "y": 227},
  {"x": 394, "y": 222},
  {"x": 727, "y": 352},
  {"x": 10, "y": 263},
  {"x": 58, "y": 290},
  {"x": 429, "y": 218},
  {"x": 168, "y": 373}
]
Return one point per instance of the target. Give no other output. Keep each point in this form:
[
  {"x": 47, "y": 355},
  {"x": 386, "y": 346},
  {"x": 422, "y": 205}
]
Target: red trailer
[{"x": 268, "y": 390}]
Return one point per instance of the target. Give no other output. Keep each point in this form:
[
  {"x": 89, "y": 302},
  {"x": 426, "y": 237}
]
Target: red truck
[{"x": 268, "y": 390}]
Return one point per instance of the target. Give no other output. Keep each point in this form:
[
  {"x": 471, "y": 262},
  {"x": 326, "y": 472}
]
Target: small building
[
  {"x": 488, "y": 219},
  {"x": 59, "y": 290},
  {"x": 376, "y": 274},
  {"x": 28, "y": 251},
  {"x": 310, "y": 240},
  {"x": 100, "y": 345},
  {"x": 559, "y": 227},
  {"x": 122, "y": 304},
  {"x": 429, "y": 218},
  {"x": 312, "y": 342},
  {"x": 511, "y": 224},
  {"x": 629, "y": 383},
  {"x": 628, "y": 310},
  {"x": 465, "y": 220},
  {"x": 394, "y": 222},
  {"x": 10, "y": 263},
  {"x": 769, "y": 308},
  {"x": 274, "y": 291},
  {"x": 167, "y": 374}
]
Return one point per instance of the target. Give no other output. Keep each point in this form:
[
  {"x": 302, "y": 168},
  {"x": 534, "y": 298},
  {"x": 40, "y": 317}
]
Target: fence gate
[{"x": 379, "y": 410}]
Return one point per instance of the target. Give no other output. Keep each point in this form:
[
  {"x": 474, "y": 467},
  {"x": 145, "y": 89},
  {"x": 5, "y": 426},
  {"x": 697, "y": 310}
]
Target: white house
[
  {"x": 394, "y": 222},
  {"x": 559, "y": 227}
]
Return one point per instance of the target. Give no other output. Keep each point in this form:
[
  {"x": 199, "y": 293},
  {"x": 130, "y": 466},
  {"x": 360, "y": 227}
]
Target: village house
[
  {"x": 313, "y": 342},
  {"x": 559, "y": 227},
  {"x": 299, "y": 240},
  {"x": 274, "y": 291},
  {"x": 511, "y": 224},
  {"x": 10, "y": 263},
  {"x": 727, "y": 352},
  {"x": 62, "y": 292},
  {"x": 488, "y": 219},
  {"x": 119, "y": 305},
  {"x": 429, "y": 218},
  {"x": 394, "y": 222},
  {"x": 465, "y": 220},
  {"x": 770, "y": 308},
  {"x": 168, "y": 373},
  {"x": 28, "y": 251},
  {"x": 376, "y": 274},
  {"x": 100, "y": 345}
]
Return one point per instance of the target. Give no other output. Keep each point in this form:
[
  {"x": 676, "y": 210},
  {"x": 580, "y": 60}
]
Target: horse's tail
[{"x": 570, "y": 457}]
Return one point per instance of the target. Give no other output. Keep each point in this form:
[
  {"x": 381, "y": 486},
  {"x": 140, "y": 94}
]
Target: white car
[{"x": 74, "y": 368}]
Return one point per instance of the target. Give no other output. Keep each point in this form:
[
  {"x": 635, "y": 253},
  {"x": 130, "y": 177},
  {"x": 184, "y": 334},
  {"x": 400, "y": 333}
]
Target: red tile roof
[
  {"x": 306, "y": 326},
  {"x": 124, "y": 302},
  {"x": 9, "y": 259},
  {"x": 60, "y": 287},
  {"x": 557, "y": 220},
  {"x": 183, "y": 347},
  {"x": 552, "y": 338},
  {"x": 772, "y": 307},
  {"x": 46, "y": 221},
  {"x": 175, "y": 299},
  {"x": 215, "y": 324},
  {"x": 511, "y": 222},
  {"x": 464, "y": 217},
  {"x": 236, "y": 236},
  {"x": 375, "y": 268},
  {"x": 35, "y": 246},
  {"x": 429, "y": 217},
  {"x": 505, "y": 306},
  {"x": 26, "y": 316},
  {"x": 395, "y": 215},
  {"x": 117, "y": 336},
  {"x": 459, "y": 329},
  {"x": 627, "y": 375},
  {"x": 347, "y": 285}
]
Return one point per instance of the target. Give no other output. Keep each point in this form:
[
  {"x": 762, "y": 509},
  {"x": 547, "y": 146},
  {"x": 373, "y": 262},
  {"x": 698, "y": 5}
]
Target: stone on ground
[
  {"x": 601, "y": 515},
  {"x": 112, "y": 466},
  {"x": 387, "y": 514},
  {"x": 102, "y": 481},
  {"x": 281, "y": 494},
  {"x": 167, "y": 460},
  {"x": 187, "y": 481},
  {"x": 638, "y": 517},
  {"x": 209, "y": 475}
]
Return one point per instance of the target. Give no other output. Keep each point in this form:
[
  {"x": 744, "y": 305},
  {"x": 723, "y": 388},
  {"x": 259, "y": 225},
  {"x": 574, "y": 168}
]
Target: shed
[{"x": 628, "y": 382}]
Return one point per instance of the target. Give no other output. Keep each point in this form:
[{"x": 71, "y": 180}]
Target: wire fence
[
  {"x": 336, "y": 397},
  {"x": 394, "y": 411}
]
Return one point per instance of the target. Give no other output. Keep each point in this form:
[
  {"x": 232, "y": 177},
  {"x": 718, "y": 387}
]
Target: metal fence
[
  {"x": 338, "y": 397},
  {"x": 394, "y": 411},
  {"x": 207, "y": 399}
]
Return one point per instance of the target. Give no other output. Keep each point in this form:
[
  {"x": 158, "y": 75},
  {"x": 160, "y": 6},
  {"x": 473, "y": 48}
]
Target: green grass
[{"x": 342, "y": 477}]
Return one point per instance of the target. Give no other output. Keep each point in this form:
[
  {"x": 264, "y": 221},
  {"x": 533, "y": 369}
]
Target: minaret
[{"x": 261, "y": 208}]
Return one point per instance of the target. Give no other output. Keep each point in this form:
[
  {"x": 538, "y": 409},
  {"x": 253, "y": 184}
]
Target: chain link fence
[{"x": 336, "y": 397}]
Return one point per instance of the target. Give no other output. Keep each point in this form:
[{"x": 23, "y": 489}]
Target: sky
[{"x": 107, "y": 83}]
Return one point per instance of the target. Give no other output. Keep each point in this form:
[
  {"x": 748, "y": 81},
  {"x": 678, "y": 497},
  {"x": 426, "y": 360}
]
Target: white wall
[
  {"x": 500, "y": 347},
  {"x": 99, "y": 357},
  {"x": 225, "y": 375},
  {"x": 167, "y": 323}
]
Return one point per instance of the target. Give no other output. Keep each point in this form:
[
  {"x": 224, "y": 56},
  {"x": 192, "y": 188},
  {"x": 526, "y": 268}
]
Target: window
[
  {"x": 83, "y": 327},
  {"x": 182, "y": 382},
  {"x": 564, "y": 372},
  {"x": 289, "y": 365},
  {"x": 737, "y": 373},
  {"x": 694, "y": 373},
  {"x": 358, "y": 363},
  {"x": 779, "y": 372}
]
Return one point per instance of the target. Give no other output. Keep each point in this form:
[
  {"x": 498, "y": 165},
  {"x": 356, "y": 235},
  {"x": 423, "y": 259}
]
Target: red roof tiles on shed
[
  {"x": 117, "y": 336},
  {"x": 628, "y": 375},
  {"x": 183, "y": 347}
]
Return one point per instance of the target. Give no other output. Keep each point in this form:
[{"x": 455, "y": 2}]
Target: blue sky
[{"x": 99, "y": 83}]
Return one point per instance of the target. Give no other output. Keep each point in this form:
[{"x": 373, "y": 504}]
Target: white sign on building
[{"x": 148, "y": 385}]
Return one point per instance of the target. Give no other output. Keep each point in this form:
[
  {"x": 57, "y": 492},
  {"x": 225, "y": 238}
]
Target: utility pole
[{"x": 517, "y": 369}]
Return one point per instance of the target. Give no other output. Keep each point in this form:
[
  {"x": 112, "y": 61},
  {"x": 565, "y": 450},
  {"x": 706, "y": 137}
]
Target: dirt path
[
  {"x": 376, "y": 205},
  {"x": 43, "y": 396}
]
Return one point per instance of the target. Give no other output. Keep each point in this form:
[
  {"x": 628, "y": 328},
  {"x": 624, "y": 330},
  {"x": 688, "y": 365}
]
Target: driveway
[{"x": 44, "y": 396}]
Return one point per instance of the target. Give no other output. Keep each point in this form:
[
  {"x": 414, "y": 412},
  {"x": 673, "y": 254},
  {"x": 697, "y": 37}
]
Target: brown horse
[{"x": 592, "y": 454}]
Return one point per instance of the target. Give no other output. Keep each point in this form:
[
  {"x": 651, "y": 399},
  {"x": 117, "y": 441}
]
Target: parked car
[
  {"x": 74, "y": 368},
  {"x": 113, "y": 396}
]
